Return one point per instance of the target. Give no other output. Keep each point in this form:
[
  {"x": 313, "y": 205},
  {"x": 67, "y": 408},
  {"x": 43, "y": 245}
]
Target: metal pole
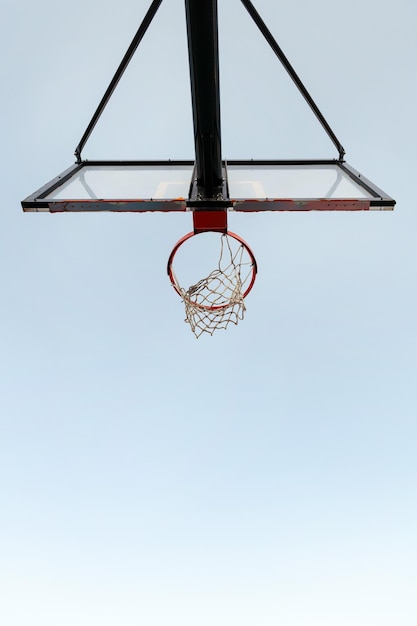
[{"x": 203, "y": 51}]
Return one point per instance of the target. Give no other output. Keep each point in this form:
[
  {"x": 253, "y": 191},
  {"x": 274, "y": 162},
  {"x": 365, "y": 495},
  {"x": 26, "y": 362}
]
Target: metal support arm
[
  {"x": 292, "y": 73},
  {"x": 119, "y": 73}
]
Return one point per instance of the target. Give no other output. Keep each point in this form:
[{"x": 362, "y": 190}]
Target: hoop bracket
[{"x": 215, "y": 220}]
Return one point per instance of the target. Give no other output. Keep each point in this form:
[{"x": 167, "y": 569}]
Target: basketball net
[{"x": 218, "y": 300}]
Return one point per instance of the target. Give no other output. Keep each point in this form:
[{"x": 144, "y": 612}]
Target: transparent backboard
[
  {"x": 171, "y": 186},
  {"x": 94, "y": 182}
]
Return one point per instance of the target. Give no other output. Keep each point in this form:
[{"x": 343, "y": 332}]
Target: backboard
[{"x": 140, "y": 186}]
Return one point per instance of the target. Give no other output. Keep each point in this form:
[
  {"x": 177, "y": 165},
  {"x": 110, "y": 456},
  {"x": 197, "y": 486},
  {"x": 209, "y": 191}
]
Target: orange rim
[{"x": 192, "y": 234}]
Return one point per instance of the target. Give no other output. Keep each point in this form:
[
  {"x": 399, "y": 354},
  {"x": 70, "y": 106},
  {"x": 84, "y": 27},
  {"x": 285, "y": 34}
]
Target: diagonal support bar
[
  {"x": 292, "y": 73},
  {"x": 118, "y": 75},
  {"x": 203, "y": 51}
]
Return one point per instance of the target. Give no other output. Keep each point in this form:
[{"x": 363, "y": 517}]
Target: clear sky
[{"x": 266, "y": 475}]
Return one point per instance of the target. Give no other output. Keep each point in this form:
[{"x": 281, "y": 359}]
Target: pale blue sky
[{"x": 263, "y": 476}]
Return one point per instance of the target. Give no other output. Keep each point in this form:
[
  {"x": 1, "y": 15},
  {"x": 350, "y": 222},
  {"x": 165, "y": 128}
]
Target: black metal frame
[
  {"x": 208, "y": 190},
  {"x": 38, "y": 201},
  {"x": 202, "y": 33}
]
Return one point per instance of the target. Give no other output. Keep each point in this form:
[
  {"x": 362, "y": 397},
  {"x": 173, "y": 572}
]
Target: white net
[{"x": 218, "y": 300}]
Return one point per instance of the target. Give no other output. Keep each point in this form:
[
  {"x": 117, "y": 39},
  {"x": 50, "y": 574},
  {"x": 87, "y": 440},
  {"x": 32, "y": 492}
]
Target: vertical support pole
[{"x": 203, "y": 51}]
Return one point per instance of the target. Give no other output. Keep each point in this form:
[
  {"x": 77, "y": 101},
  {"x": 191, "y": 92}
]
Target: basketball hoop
[
  {"x": 218, "y": 300},
  {"x": 208, "y": 185}
]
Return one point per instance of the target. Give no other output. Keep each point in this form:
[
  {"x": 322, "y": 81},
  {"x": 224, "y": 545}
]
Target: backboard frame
[{"x": 371, "y": 197}]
